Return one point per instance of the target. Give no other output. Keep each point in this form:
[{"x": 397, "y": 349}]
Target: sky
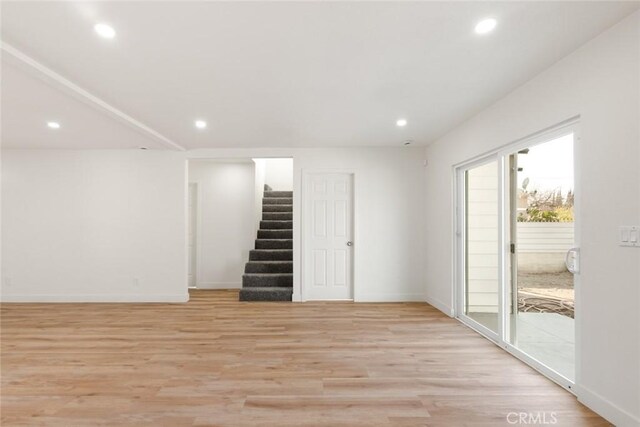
[{"x": 549, "y": 166}]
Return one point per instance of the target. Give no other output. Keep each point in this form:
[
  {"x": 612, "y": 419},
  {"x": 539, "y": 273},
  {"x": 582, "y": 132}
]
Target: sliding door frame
[
  {"x": 460, "y": 246},
  {"x": 501, "y": 155}
]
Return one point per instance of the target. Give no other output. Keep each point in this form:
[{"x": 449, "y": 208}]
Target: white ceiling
[
  {"x": 28, "y": 103},
  {"x": 276, "y": 74}
]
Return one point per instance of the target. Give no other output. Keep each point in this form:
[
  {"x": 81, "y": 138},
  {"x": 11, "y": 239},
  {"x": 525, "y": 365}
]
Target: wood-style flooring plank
[{"x": 215, "y": 361}]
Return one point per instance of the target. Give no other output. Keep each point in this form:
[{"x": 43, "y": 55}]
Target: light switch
[
  {"x": 630, "y": 235},
  {"x": 624, "y": 234}
]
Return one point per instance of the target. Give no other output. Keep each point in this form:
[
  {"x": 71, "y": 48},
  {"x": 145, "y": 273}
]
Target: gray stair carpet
[{"x": 268, "y": 276}]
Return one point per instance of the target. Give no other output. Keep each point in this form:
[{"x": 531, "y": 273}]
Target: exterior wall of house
[{"x": 482, "y": 239}]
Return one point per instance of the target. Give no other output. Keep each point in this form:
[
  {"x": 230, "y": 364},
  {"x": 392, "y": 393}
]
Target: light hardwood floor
[{"x": 216, "y": 361}]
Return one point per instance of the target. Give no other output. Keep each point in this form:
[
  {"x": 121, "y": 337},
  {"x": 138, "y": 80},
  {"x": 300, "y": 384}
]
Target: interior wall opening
[{"x": 233, "y": 225}]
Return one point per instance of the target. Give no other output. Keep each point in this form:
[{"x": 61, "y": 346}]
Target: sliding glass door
[
  {"x": 516, "y": 250},
  {"x": 542, "y": 233},
  {"x": 481, "y": 223}
]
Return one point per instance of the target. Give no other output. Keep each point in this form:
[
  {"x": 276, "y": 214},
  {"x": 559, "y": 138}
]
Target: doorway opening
[
  {"x": 238, "y": 240},
  {"x": 517, "y": 255}
]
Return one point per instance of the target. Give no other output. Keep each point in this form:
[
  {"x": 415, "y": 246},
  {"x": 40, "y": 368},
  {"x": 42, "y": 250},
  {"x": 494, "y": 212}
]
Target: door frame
[
  {"x": 305, "y": 218},
  {"x": 501, "y": 155},
  {"x": 198, "y": 219},
  {"x": 460, "y": 237}
]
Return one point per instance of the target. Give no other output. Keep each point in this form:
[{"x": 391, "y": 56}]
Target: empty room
[{"x": 320, "y": 213}]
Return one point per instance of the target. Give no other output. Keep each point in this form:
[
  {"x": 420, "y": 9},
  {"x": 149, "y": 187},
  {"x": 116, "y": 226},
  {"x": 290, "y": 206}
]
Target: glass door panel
[
  {"x": 541, "y": 315},
  {"x": 482, "y": 276}
]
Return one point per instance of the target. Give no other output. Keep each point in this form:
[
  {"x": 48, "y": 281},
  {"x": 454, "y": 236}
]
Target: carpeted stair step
[
  {"x": 277, "y": 216},
  {"x": 262, "y": 280},
  {"x": 269, "y": 273},
  {"x": 277, "y": 208},
  {"x": 269, "y": 267},
  {"x": 272, "y": 194},
  {"x": 266, "y": 294},
  {"x": 276, "y": 225},
  {"x": 271, "y": 255},
  {"x": 275, "y": 234},
  {"x": 277, "y": 201},
  {"x": 274, "y": 244}
]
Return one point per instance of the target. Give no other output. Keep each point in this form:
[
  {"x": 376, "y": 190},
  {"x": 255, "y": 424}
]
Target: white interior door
[
  {"x": 328, "y": 247},
  {"x": 192, "y": 229}
]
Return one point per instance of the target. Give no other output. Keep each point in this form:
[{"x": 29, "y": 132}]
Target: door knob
[
  {"x": 572, "y": 260},
  {"x": 349, "y": 243}
]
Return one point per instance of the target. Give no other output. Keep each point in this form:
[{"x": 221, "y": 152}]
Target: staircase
[{"x": 269, "y": 272}]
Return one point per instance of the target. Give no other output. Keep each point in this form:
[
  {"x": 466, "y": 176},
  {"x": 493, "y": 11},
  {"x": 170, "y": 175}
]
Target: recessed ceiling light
[
  {"x": 53, "y": 125},
  {"x": 105, "y": 31},
  {"x": 486, "y": 26},
  {"x": 201, "y": 124},
  {"x": 401, "y": 122}
]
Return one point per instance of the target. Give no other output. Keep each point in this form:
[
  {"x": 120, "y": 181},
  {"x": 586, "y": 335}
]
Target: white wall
[
  {"x": 601, "y": 83},
  {"x": 389, "y": 213},
  {"x": 226, "y": 220},
  {"x": 105, "y": 218},
  {"x": 93, "y": 225},
  {"x": 279, "y": 174},
  {"x": 260, "y": 172}
]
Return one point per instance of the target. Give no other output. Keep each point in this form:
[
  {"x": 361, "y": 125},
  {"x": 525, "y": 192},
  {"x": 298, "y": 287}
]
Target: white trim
[
  {"x": 436, "y": 303},
  {"x": 305, "y": 173},
  {"x": 577, "y": 241},
  {"x": 605, "y": 408},
  {"x": 459, "y": 236},
  {"x": 554, "y": 376},
  {"x": 197, "y": 225},
  {"x": 219, "y": 285},
  {"x": 95, "y": 298},
  {"x": 503, "y": 249},
  {"x": 549, "y": 134},
  {"x": 492, "y": 336},
  {"x": 518, "y": 354},
  {"x": 199, "y": 238},
  {"x": 383, "y": 297},
  {"x": 59, "y": 81},
  {"x": 557, "y": 130}
]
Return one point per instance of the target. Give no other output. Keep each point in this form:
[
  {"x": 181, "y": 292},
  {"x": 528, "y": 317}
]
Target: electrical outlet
[
  {"x": 6, "y": 281},
  {"x": 136, "y": 282},
  {"x": 629, "y": 235}
]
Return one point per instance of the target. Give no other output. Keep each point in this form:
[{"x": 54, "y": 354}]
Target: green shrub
[{"x": 558, "y": 214}]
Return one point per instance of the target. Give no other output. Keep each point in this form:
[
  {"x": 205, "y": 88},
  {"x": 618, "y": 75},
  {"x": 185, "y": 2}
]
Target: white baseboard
[
  {"x": 605, "y": 408},
  {"x": 445, "y": 308},
  {"x": 219, "y": 285},
  {"x": 95, "y": 298},
  {"x": 380, "y": 297}
]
